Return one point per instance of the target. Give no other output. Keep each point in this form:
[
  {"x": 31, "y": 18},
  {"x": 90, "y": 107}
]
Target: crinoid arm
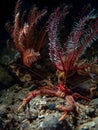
[
  {"x": 65, "y": 55},
  {"x": 56, "y": 56},
  {"x": 28, "y": 39}
]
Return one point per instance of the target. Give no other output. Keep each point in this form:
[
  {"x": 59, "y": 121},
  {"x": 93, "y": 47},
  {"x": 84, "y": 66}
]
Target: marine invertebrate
[
  {"x": 60, "y": 91},
  {"x": 65, "y": 56},
  {"x": 72, "y": 106},
  {"x": 27, "y": 37}
]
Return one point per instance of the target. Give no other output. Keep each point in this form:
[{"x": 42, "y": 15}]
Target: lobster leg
[
  {"x": 27, "y": 100},
  {"x": 42, "y": 91},
  {"x": 77, "y": 95}
]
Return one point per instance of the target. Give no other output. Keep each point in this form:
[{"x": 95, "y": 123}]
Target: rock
[
  {"x": 32, "y": 87},
  {"x": 31, "y": 115},
  {"x": 41, "y": 116},
  {"x": 89, "y": 125},
  {"x": 9, "y": 55},
  {"x": 25, "y": 125},
  {"x": 51, "y": 122},
  {"x": 3, "y": 111},
  {"x": 94, "y": 102},
  {"x": 6, "y": 79},
  {"x": 6, "y": 119},
  {"x": 91, "y": 112},
  {"x": 52, "y": 106}
]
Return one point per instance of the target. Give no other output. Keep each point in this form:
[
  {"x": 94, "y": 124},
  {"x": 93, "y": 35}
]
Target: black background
[{"x": 7, "y": 9}]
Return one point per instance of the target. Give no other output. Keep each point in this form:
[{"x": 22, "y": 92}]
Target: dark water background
[{"x": 7, "y": 9}]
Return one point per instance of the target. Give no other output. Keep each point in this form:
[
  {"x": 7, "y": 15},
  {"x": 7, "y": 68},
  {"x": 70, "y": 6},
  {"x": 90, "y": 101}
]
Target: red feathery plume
[
  {"x": 65, "y": 55},
  {"x": 27, "y": 37}
]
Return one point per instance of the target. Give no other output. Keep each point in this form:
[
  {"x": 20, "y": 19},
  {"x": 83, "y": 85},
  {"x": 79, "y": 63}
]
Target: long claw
[
  {"x": 62, "y": 108},
  {"x": 63, "y": 117},
  {"x": 28, "y": 99},
  {"x": 23, "y": 104},
  {"x": 77, "y": 95}
]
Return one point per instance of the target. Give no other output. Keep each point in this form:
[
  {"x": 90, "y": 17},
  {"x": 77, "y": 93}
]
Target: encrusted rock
[
  {"x": 6, "y": 80},
  {"x": 93, "y": 124},
  {"x": 51, "y": 123}
]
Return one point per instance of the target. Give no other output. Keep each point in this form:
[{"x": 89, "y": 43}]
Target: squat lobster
[{"x": 62, "y": 92}]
